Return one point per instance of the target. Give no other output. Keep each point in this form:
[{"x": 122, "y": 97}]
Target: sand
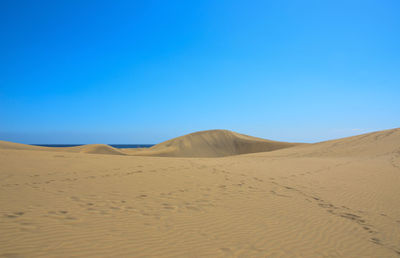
[
  {"x": 211, "y": 143},
  {"x": 337, "y": 198}
]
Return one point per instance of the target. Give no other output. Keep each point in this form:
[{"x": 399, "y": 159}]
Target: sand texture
[{"x": 194, "y": 197}]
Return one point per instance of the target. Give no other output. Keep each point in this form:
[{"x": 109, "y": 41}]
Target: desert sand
[
  {"x": 212, "y": 143},
  {"x": 193, "y": 196}
]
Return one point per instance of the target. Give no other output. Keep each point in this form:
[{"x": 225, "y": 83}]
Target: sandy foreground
[{"x": 332, "y": 199}]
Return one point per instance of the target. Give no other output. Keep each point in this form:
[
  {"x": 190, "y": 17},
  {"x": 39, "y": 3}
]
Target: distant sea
[{"x": 119, "y": 146}]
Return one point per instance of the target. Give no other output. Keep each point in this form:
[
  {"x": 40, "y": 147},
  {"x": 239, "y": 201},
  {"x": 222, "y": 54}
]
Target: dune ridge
[
  {"x": 19, "y": 146},
  {"x": 364, "y": 145},
  {"x": 212, "y": 143}
]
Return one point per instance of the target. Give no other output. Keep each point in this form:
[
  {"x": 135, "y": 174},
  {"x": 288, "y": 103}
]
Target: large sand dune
[
  {"x": 338, "y": 198},
  {"x": 212, "y": 143}
]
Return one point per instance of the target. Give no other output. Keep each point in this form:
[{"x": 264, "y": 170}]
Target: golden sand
[{"x": 337, "y": 198}]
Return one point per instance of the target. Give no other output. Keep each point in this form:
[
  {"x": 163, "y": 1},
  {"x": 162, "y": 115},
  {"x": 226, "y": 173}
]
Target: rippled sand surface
[{"x": 332, "y": 199}]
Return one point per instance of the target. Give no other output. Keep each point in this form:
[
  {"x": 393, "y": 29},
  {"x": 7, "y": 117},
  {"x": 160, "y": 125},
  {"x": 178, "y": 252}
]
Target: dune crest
[
  {"x": 100, "y": 149},
  {"x": 369, "y": 144},
  {"x": 212, "y": 143},
  {"x": 19, "y": 146},
  {"x": 373, "y": 144}
]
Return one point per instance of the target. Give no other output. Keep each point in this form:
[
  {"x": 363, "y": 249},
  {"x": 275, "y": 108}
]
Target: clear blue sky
[{"x": 146, "y": 71}]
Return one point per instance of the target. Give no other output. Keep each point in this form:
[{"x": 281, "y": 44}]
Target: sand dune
[
  {"x": 219, "y": 143},
  {"x": 370, "y": 144},
  {"x": 90, "y": 148},
  {"x": 337, "y": 198},
  {"x": 212, "y": 143},
  {"x": 365, "y": 145},
  {"x": 100, "y": 149},
  {"x": 19, "y": 146}
]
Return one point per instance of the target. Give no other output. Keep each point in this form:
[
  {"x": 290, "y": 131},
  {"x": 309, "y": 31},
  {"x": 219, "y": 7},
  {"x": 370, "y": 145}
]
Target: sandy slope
[
  {"x": 365, "y": 145},
  {"x": 212, "y": 143},
  {"x": 333, "y": 199}
]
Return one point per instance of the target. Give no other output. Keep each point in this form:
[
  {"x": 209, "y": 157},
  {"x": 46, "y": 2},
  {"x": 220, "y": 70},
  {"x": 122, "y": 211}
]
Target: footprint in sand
[{"x": 14, "y": 214}]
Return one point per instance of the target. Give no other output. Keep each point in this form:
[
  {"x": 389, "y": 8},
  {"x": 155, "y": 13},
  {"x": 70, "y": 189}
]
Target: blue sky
[{"x": 147, "y": 71}]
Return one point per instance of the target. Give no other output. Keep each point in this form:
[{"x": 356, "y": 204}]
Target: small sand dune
[
  {"x": 100, "y": 149},
  {"x": 89, "y": 148},
  {"x": 212, "y": 143}
]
